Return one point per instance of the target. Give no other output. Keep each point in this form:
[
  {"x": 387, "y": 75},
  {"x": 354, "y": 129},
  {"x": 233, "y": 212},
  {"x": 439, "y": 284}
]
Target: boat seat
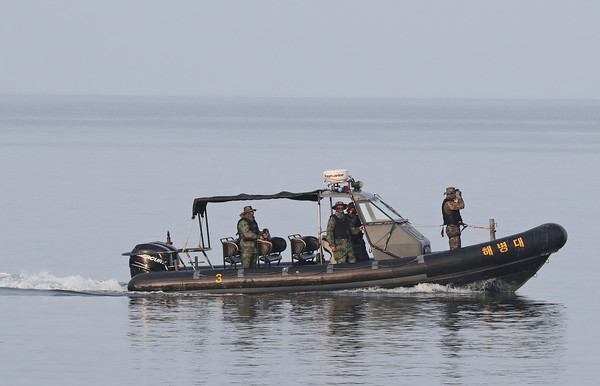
[
  {"x": 303, "y": 248},
  {"x": 231, "y": 252},
  {"x": 269, "y": 251}
]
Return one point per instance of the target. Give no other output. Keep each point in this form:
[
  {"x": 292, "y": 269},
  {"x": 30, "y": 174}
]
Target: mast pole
[
  {"x": 321, "y": 251},
  {"x": 492, "y": 229}
]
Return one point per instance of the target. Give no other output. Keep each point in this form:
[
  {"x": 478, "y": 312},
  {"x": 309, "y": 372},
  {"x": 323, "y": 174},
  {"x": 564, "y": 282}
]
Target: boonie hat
[
  {"x": 339, "y": 203},
  {"x": 450, "y": 190},
  {"x": 248, "y": 209}
]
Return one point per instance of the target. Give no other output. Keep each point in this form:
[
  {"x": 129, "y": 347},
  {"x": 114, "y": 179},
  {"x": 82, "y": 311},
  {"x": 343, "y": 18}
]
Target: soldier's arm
[
  {"x": 355, "y": 230},
  {"x": 355, "y": 225},
  {"x": 330, "y": 239},
  {"x": 454, "y": 205}
]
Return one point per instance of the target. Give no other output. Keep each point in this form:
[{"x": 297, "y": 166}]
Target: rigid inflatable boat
[{"x": 401, "y": 255}]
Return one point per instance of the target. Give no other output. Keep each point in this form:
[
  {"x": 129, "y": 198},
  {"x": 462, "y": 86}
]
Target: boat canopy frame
[
  {"x": 199, "y": 207},
  {"x": 200, "y": 204}
]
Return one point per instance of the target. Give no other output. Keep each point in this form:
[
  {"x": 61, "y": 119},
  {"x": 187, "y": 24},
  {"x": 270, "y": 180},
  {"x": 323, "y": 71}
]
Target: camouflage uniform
[
  {"x": 451, "y": 213},
  {"x": 249, "y": 232},
  {"x": 338, "y": 236},
  {"x": 453, "y": 233}
]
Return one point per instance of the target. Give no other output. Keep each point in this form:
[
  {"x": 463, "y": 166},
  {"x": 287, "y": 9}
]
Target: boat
[{"x": 401, "y": 255}]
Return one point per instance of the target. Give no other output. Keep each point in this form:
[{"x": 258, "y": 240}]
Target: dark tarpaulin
[{"x": 200, "y": 203}]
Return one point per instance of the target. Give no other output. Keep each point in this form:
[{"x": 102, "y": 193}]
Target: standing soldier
[
  {"x": 358, "y": 242},
  {"x": 249, "y": 233},
  {"x": 338, "y": 235},
  {"x": 451, "y": 213}
]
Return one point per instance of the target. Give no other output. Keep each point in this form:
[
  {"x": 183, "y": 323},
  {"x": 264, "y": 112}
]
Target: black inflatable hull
[{"x": 499, "y": 265}]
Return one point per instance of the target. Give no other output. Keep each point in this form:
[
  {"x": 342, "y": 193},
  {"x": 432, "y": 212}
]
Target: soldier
[
  {"x": 451, "y": 213},
  {"x": 356, "y": 227},
  {"x": 249, "y": 233},
  {"x": 338, "y": 235}
]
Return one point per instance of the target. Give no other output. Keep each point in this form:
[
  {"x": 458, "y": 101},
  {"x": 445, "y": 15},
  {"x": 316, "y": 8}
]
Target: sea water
[{"x": 87, "y": 178}]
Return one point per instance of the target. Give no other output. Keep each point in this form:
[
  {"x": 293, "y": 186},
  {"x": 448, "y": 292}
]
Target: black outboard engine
[{"x": 152, "y": 257}]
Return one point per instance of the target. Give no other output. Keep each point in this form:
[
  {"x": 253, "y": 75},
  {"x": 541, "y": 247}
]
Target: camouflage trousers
[
  {"x": 453, "y": 233},
  {"x": 344, "y": 253},
  {"x": 248, "y": 253}
]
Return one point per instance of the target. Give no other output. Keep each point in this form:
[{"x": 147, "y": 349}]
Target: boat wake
[
  {"x": 45, "y": 281},
  {"x": 433, "y": 288},
  {"x": 423, "y": 288}
]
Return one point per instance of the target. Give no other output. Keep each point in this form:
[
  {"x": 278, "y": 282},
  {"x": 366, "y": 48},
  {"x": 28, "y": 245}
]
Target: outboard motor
[{"x": 152, "y": 257}]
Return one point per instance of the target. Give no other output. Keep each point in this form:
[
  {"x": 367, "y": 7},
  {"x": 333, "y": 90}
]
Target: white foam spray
[{"x": 46, "y": 281}]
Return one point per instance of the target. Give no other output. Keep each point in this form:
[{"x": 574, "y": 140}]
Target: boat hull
[{"x": 499, "y": 265}]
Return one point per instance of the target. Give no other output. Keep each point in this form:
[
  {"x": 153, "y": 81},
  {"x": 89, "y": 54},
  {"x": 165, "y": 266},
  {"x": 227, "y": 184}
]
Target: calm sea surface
[{"x": 86, "y": 178}]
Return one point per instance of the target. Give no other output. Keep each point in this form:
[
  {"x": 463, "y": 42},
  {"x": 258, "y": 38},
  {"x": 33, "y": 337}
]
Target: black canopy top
[{"x": 200, "y": 203}]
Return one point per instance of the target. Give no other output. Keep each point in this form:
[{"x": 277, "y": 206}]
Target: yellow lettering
[
  {"x": 502, "y": 247},
  {"x": 519, "y": 242}
]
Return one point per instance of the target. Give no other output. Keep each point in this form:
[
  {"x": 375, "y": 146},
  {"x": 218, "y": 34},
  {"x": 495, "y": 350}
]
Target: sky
[{"x": 530, "y": 49}]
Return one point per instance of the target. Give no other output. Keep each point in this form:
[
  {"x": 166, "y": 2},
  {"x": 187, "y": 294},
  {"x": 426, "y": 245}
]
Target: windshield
[{"x": 377, "y": 213}]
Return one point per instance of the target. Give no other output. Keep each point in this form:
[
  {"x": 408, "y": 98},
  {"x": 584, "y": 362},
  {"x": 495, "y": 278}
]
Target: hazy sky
[{"x": 324, "y": 48}]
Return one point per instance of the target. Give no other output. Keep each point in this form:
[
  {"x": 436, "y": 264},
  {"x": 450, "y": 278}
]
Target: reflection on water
[{"x": 355, "y": 337}]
